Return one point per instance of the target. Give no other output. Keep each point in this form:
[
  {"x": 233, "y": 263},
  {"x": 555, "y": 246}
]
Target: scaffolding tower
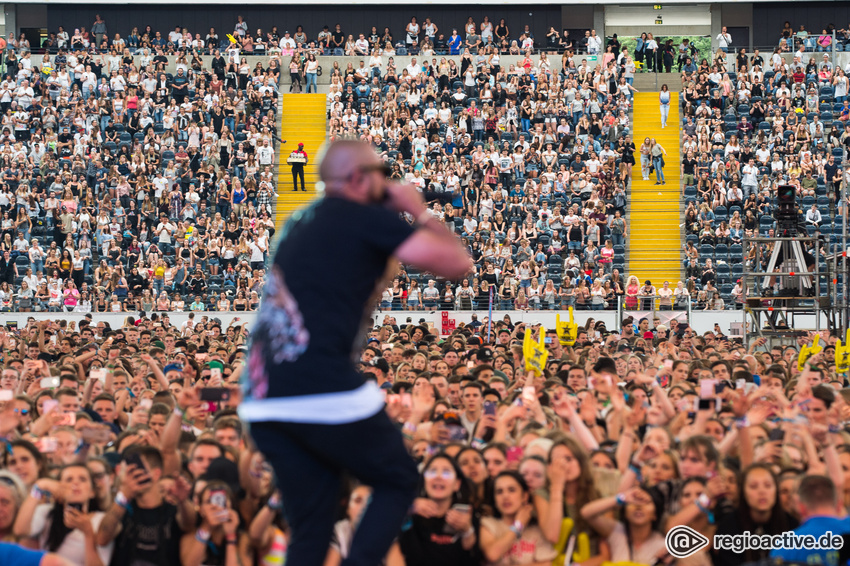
[{"x": 783, "y": 288}]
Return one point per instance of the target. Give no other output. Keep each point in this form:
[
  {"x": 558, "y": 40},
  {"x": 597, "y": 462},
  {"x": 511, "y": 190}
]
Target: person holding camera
[
  {"x": 142, "y": 524},
  {"x": 63, "y": 516}
]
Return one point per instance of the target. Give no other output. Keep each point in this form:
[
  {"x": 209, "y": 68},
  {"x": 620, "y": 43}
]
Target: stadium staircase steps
[
  {"x": 655, "y": 237},
  {"x": 303, "y": 120}
]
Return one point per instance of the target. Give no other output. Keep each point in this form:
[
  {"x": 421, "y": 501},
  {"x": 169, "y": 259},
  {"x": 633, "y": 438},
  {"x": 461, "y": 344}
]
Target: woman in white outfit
[
  {"x": 645, "y": 158},
  {"x": 664, "y": 100}
]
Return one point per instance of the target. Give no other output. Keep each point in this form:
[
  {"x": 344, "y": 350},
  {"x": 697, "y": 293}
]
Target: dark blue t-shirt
[
  {"x": 815, "y": 526},
  {"x": 328, "y": 263}
]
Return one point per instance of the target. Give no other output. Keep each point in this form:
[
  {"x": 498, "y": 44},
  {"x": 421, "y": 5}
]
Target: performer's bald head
[{"x": 342, "y": 173}]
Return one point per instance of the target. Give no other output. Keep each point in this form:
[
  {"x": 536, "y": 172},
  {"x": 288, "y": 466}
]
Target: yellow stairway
[
  {"x": 654, "y": 235},
  {"x": 303, "y": 120}
]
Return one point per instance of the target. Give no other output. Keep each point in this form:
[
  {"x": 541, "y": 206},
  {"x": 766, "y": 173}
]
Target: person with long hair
[
  {"x": 645, "y": 158},
  {"x": 474, "y": 469},
  {"x": 442, "y": 529},
  {"x": 664, "y": 102},
  {"x": 571, "y": 486},
  {"x": 632, "y": 290},
  {"x": 759, "y": 510},
  {"x": 635, "y": 535},
  {"x": 217, "y": 538},
  {"x": 68, "y": 525},
  {"x": 512, "y": 536},
  {"x": 658, "y": 152},
  {"x": 344, "y": 529}
]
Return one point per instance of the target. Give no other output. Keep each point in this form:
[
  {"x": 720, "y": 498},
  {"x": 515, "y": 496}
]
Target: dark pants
[
  {"x": 298, "y": 171},
  {"x": 309, "y": 461}
]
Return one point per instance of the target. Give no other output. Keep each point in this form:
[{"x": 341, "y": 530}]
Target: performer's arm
[{"x": 432, "y": 246}]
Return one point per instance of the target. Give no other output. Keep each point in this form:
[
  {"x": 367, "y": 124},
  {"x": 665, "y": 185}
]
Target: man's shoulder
[{"x": 837, "y": 525}]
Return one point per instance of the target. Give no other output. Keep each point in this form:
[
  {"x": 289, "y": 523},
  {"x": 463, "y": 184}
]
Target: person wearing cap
[
  {"x": 647, "y": 294},
  {"x": 287, "y": 42},
  {"x": 298, "y": 159},
  {"x": 380, "y": 368},
  {"x": 313, "y": 415}
]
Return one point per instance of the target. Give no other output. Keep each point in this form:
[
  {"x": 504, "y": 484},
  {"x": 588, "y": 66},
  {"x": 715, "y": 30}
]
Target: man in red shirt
[{"x": 298, "y": 159}]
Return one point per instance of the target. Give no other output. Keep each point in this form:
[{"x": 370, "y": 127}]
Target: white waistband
[{"x": 339, "y": 407}]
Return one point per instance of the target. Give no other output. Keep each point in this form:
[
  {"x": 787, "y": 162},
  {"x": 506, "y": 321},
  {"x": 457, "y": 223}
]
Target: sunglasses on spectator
[{"x": 434, "y": 474}]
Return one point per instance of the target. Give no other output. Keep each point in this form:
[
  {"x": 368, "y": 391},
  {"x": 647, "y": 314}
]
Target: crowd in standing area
[{"x": 124, "y": 444}]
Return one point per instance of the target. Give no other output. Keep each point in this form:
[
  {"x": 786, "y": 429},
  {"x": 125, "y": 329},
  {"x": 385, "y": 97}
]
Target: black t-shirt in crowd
[
  {"x": 148, "y": 537},
  {"x": 689, "y": 166},
  {"x": 830, "y": 171},
  {"x": 431, "y": 541},
  {"x": 329, "y": 260}
]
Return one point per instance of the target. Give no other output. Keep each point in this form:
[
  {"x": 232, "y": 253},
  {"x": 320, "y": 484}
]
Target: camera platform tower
[{"x": 782, "y": 279}]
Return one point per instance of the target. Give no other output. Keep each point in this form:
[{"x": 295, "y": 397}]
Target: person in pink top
[{"x": 606, "y": 256}]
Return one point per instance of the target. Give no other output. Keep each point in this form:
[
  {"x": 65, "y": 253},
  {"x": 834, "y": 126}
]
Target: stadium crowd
[
  {"x": 804, "y": 40},
  {"x": 750, "y": 125},
  {"x": 529, "y": 164},
  {"x": 126, "y": 187},
  {"x": 123, "y": 444}
]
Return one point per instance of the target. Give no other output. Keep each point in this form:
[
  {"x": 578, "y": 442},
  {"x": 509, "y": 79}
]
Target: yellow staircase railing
[
  {"x": 303, "y": 120},
  {"x": 654, "y": 236}
]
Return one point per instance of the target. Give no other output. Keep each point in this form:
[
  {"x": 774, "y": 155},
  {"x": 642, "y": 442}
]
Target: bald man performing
[{"x": 313, "y": 415}]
